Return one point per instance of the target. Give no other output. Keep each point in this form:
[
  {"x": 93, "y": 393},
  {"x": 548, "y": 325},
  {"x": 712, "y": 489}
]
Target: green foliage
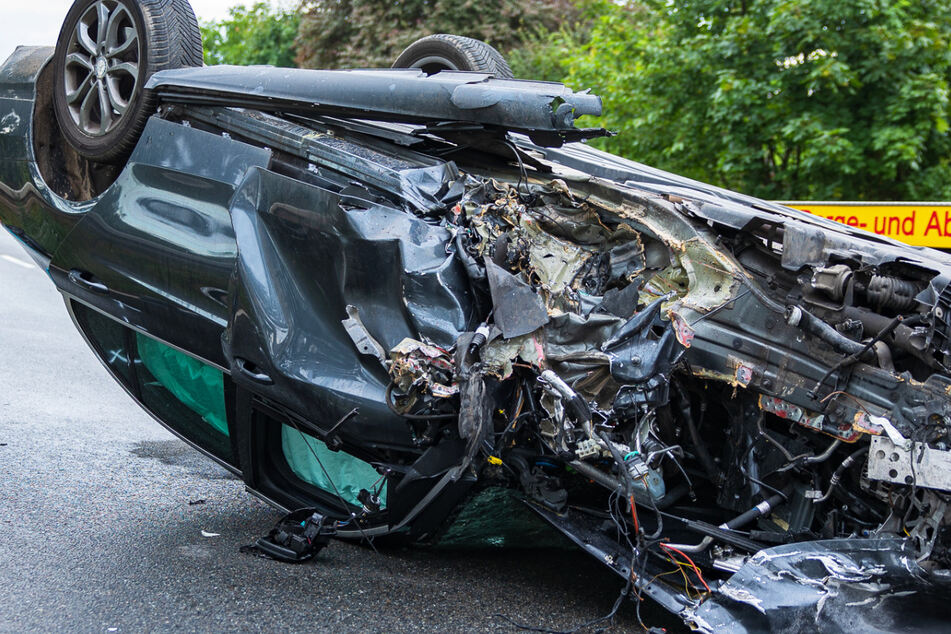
[
  {"x": 259, "y": 34},
  {"x": 372, "y": 33},
  {"x": 783, "y": 99},
  {"x": 546, "y": 54}
]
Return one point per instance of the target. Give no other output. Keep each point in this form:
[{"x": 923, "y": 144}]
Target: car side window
[{"x": 185, "y": 394}]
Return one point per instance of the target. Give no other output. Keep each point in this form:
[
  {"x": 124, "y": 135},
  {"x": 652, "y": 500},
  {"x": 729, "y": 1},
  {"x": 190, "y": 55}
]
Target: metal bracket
[
  {"x": 362, "y": 339},
  {"x": 921, "y": 465}
]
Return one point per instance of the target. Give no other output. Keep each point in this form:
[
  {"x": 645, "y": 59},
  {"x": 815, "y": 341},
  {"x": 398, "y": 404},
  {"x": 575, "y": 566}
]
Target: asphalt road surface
[{"x": 98, "y": 530}]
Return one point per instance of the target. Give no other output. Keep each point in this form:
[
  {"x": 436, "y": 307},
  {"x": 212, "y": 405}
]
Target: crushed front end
[{"x": 740, "y": 411}]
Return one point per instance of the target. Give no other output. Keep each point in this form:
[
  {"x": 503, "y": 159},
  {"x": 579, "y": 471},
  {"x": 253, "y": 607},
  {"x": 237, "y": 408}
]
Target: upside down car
[{"x": 385, "y": 295}]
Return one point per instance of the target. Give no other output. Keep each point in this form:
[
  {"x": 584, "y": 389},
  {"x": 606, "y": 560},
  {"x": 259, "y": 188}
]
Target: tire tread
[{"x": 478, "y": 56}]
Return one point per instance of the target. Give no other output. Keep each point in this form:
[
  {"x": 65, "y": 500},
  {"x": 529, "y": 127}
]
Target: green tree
[
  {"x": 372, "y": 33},
  {"x": 546, "y": 54},
  {"x": 259, "y": 34},
  {"x": 825, "y": 99}
]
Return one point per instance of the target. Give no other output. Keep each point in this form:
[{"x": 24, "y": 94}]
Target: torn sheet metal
[
  {"x": 839, "y": 585},
  {"x": 556, "y": 263},
  {"x": 390, "y": 265},
  {"x": 416, "y": 366},
  {"x": 635, "y": 354},
  {"x": 682, "y": 329},
  {"x": 499, "y": 355},
  {"x": 710, "y": 276}
]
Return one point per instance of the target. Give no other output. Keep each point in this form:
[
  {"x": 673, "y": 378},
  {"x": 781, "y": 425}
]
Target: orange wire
[
  {"x": 680, "y": 569},
  {"x": 637, "y": 527},
  {"x": 693, "y": 565}
]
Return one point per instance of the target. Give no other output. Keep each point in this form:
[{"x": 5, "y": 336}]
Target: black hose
[
  {"x": 864, "y": 348},
  {"x": 837, "y": 474},
  {"x": 706, "y": 460},
  {"x": 803, "y": 319},
  {"x": 672, "y": 496},
  {"x": 739, "y": 521},
  {"x": 760, "y": 509},
  {"x": 473, "y": 269},
  {"x": 903, "y": 333}
]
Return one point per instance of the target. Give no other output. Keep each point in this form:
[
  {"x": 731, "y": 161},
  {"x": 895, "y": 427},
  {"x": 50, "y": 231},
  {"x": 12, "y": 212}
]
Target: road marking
[{"x": 18, "y": 262}]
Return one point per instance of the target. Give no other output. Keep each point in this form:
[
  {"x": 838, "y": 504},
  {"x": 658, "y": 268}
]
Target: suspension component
[{"x": 890, "y": 292}]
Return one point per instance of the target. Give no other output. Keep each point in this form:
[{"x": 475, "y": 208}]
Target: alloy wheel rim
[
  {"x": 432, "y": 64},
  {"x": 101, "y": 70}
]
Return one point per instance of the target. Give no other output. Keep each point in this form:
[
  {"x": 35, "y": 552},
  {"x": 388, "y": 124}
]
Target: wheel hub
[{"x": 101, "y": 66}]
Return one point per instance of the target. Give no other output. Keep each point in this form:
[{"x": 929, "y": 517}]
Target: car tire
[
  {"x": 453, "y": 52},
  {"x": 105, "y": 54}
]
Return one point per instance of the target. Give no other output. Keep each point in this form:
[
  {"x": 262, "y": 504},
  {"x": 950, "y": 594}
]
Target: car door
[{"x": 157, "y": 248}]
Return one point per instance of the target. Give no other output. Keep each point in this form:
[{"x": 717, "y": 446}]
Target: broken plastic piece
[
  {"x": 636, "y": 356},
  {"x": 297, "y": 537},
  {"x": 518, "y": 310},
  {"x": 587, "y": 448}
]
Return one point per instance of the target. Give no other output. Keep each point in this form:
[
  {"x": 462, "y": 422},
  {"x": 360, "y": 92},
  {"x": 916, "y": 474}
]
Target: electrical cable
[
  {"x": 683, "y": 573},
  {"x": 685, "y": 556},
  {"x": 523, "y": 173},
  {"x": 353, "y": 515},
  {"x": 389, "y": 403},
  {"x": 637, "y": 527},
  {"x": 637, "y": 593}
]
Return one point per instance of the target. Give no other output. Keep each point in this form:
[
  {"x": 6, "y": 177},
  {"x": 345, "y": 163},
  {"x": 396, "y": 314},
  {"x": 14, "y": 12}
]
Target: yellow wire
[
  {"x": 663, "y": 574},
  {"x": 686, "y": 582},
  {"x": 680, "y": 563},
  {"x": 518, "y": 412},
  {"x": 680, "y": 567}
]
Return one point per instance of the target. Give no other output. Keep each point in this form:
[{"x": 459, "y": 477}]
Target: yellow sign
[{"x": 919, "y": 224}]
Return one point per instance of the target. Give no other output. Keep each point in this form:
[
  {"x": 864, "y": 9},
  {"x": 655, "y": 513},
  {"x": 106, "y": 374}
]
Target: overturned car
[{"x": 386, "y": 295}]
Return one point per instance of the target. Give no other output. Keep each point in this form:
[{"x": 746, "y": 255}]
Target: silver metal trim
[{"x": 144, "y": 332}]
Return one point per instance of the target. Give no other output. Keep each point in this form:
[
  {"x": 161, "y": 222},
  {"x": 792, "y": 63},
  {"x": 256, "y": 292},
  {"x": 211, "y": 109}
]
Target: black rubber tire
[
  {"x": 453, "y": 52},
  {"x": 167, "y": 37}
]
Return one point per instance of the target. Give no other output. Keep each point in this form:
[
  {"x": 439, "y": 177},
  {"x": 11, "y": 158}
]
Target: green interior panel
[
  {"x": 496, "y": 518},
  {"x": 349, "y": 474},
  {"x": 199, "y": 386}
]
